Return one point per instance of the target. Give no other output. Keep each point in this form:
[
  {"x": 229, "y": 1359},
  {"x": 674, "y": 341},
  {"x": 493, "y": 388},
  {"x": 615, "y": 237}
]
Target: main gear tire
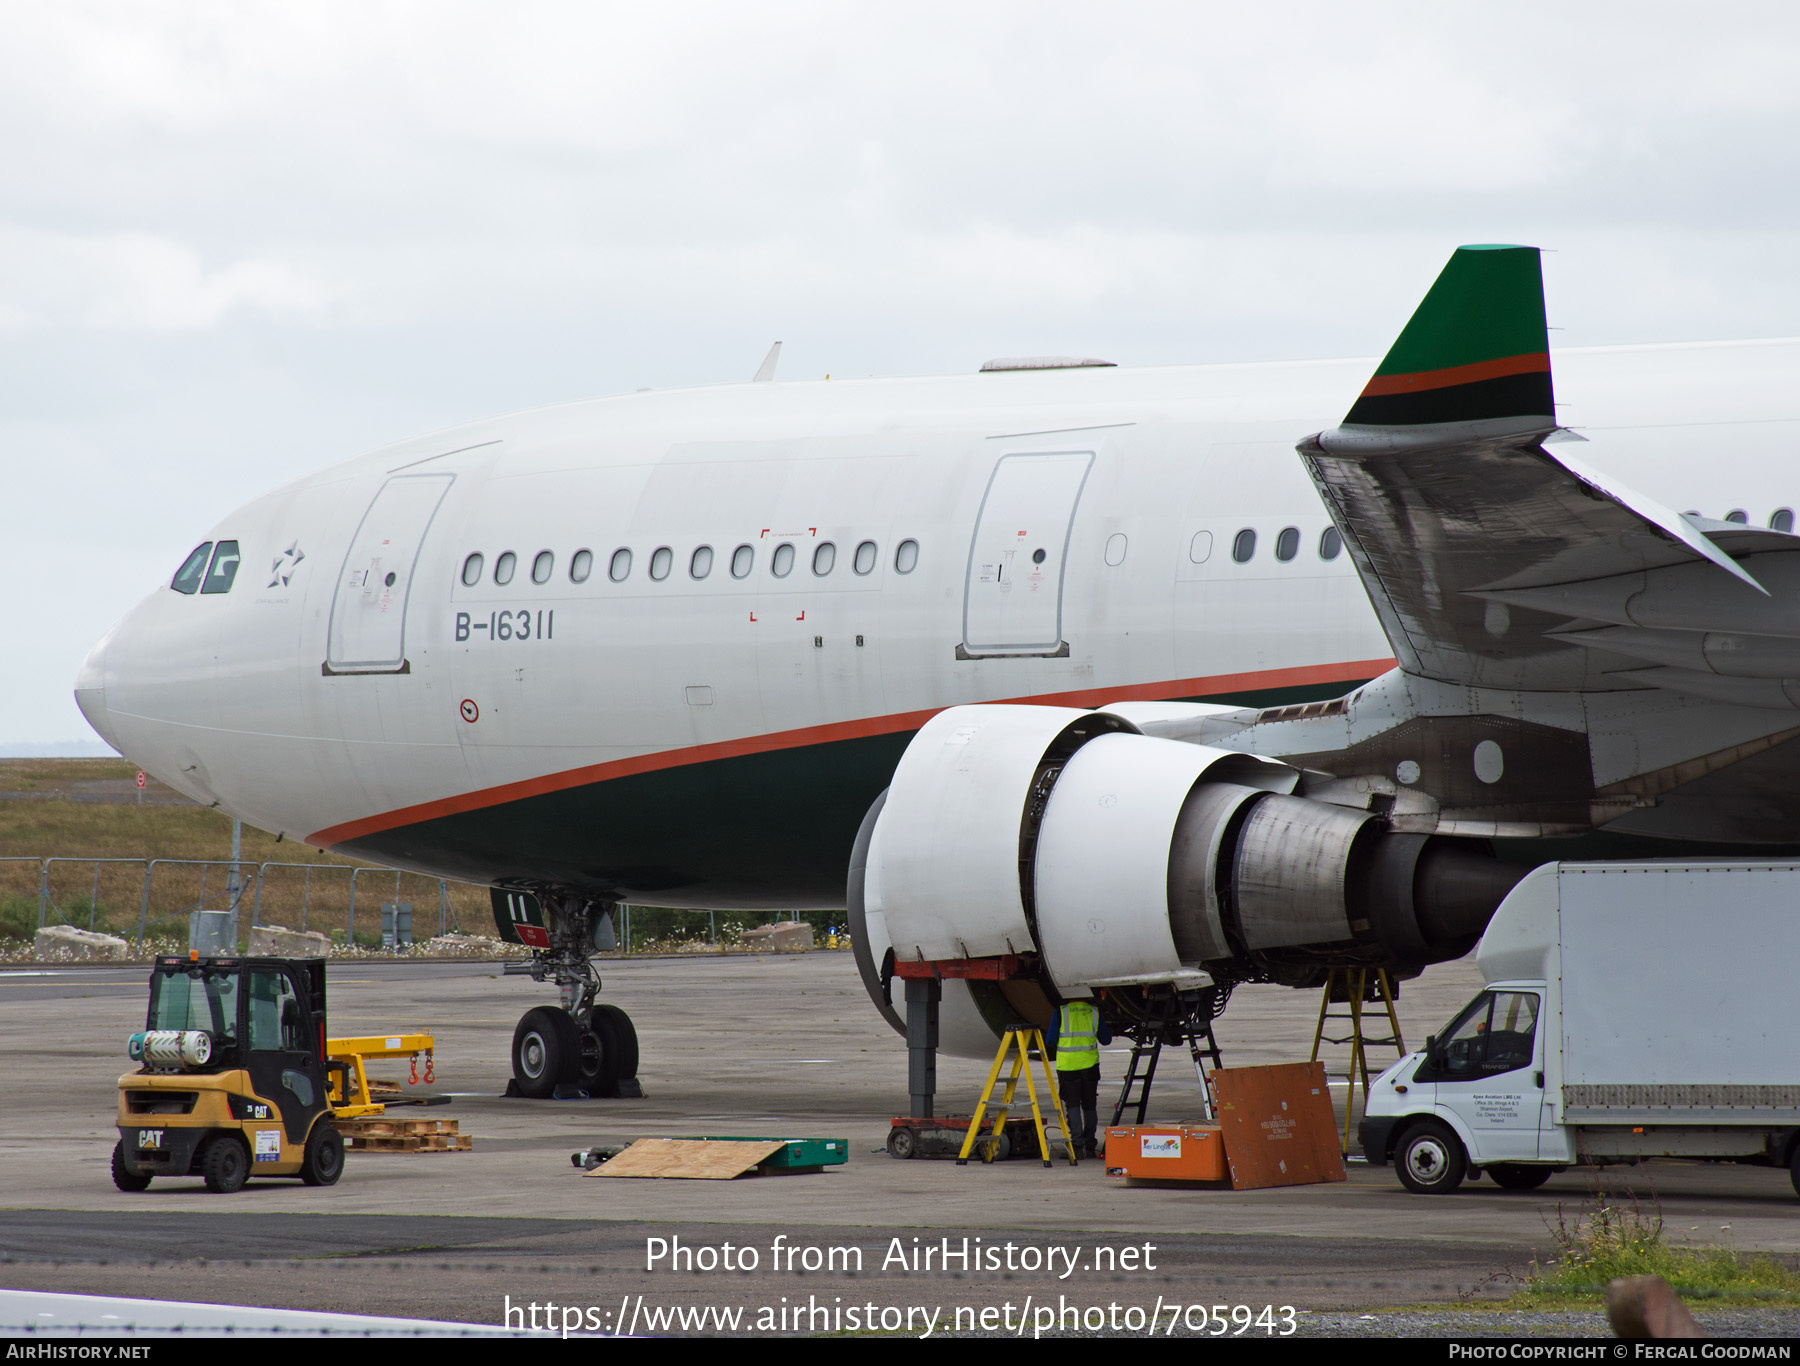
[
  {"x": 225, "y": 1163},
  {"x": 625, "y": 1041},
  {"x": 323, "y": 1163},
  {"x": 546, "y": 1051},
  {"x": 123, "y": 1177}
]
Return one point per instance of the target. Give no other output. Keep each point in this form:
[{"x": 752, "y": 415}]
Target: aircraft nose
[{"x": 90, "y": 689}]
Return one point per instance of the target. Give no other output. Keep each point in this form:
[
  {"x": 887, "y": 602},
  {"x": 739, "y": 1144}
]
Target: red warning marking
[
  {"x": 470, "y": 712},
  {"x": 534, "y": 936},
  {"x": 802, "y": 616},
  {"x": 753, "y": 616},
  {"x": 142, "y": 779}
]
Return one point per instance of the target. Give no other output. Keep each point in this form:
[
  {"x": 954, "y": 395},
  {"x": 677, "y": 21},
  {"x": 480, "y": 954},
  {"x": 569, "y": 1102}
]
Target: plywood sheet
[
  {"x": 704, "y": 1159},
  {"x": 1279, "y": 1127}
]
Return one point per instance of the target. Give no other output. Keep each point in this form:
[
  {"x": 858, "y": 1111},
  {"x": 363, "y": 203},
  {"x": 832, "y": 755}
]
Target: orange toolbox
[{"x": 1169, "y": 1152}]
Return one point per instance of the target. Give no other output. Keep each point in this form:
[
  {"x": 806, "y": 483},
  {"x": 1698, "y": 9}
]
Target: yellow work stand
[
  {"x": 1359, "y": 986},
  {"x": 1016, "y": 1045},
  {"x": 350, "y": 1097}
]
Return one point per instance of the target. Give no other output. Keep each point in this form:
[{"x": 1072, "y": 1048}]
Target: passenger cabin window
[
  {"x": 864, "y": 562},
  {"x": 661, "y": 559},
  {"x": 700, "y": 565},
  {"x": 742, "y": 559},
  {"x": 1115, "y": 548},
  {"x": 1200, "y": 548},
  {"x": 620, "y": 568},
  {"x": 224, "y": 569},
  {"x": 1495, "y": 1034},
  {"x": 1330, "y": 543},
  {"x": 193, "y": 569},
  {"x": 1738, "y": 515},
  {"x": 541, "y": 566},
  {"x": 781, "y": 563},
  {"x": 1782, "y": 520},
  {"x": 580, "y": 566},
  {"x": 1287, "y": 544},
  {"x": 504, "y": 566},
  {"x": 471, "y": 571},
  {"x": 824, "y": 558},
  {"x": 1243, "y": 546},
  {"x": 906, "y": 556}
]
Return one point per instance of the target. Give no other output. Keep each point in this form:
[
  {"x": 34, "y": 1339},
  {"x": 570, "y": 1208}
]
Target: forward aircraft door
[
  {"x": 368, "y": 613},
  {"x": 1012, "y": 595}
]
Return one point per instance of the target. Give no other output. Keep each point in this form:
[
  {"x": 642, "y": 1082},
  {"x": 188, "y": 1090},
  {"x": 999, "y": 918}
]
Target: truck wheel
[
  {"x": 546, "y": 1050},
  {"x": 1430, "y": 1159},
  {"x": 901, "y": 1142},
  {"x": 123, "y": 1177},
  {"x": 324, "y": 1160},
  {"x": 225, "y": 1163},
  {"x": 1516, "y": 1176}
]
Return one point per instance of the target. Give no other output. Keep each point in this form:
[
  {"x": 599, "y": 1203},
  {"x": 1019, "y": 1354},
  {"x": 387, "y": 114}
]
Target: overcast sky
[{"x": 238, "y": 242}]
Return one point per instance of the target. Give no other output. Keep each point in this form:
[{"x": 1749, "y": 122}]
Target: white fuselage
[{"x": 317, "y": 700}]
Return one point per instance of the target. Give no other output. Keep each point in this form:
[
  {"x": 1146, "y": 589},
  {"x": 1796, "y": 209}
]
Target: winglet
[
  {"x": 1473, "y": 361},
  {"x": 766, "y": 371}
]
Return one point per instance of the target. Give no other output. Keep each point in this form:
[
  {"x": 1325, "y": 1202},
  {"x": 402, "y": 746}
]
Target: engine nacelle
[{"x": 1104, "y": 857}]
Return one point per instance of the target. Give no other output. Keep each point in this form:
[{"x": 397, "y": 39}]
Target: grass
[{"x": 1610, "y": 1238}]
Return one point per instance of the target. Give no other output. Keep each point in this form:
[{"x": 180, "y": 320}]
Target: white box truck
[{"x": 1632, "y": 1011}]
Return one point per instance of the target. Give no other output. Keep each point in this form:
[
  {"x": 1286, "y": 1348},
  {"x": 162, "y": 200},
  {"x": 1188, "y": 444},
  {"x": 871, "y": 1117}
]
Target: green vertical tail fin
[{"x": 1476, "y": 350}]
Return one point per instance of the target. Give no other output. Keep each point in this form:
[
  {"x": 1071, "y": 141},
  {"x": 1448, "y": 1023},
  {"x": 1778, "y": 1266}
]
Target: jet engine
[{"x": 1065, "y": 851}]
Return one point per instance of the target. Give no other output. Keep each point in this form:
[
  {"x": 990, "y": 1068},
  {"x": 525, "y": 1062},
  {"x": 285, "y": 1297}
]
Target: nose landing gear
[{"x": 579, "y": 1046}]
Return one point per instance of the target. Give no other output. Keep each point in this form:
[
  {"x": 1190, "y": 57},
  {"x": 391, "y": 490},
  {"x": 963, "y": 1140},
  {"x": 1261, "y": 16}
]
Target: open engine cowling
[{"x": 1102, "y": 857}]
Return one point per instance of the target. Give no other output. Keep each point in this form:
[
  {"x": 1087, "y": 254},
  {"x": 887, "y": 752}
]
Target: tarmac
[{"x": 779, "y": 1045}]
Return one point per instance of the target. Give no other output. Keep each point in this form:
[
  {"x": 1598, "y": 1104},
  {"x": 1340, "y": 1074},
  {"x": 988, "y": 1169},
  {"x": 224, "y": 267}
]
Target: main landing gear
[{"x": 579, "y": 1046}]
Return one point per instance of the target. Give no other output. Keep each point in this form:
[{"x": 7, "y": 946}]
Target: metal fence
[{"x": 214, "y": 903}]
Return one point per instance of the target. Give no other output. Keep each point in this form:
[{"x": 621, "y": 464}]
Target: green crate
[{"x": 800, "y": 1154}]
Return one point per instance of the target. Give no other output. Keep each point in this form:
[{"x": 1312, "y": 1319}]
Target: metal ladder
[
  {"x": 1354, "y": 988},
  {"x": 1017, "y": 1045},
  {"x": 1175, "y": 1018}
]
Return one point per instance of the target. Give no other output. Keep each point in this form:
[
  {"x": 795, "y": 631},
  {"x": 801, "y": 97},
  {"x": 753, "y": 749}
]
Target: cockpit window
[
  {"x": 193, "y": 569},
  {"x": 224, "y": 569}
]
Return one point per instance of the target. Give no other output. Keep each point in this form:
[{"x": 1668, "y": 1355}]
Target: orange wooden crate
[{"x": 1168, "y": 1152}]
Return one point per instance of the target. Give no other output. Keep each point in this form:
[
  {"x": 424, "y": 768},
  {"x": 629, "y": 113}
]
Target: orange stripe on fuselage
[
  {"x": 820, "y": 735},
  {"x": 1383, "y": 385}
]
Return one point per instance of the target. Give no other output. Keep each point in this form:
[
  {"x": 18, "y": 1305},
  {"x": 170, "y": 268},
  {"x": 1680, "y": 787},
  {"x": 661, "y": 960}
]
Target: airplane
[{"x": 948, "y": 651}]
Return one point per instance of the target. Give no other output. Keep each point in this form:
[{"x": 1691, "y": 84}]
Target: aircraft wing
[{"x": 1476, "y": 542}]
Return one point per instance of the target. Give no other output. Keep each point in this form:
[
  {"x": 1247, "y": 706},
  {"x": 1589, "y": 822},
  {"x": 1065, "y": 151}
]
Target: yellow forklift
[{"x": 234, "y": 1080}]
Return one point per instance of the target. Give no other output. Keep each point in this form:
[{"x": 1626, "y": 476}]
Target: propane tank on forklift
[{"x": 233, "y": 1081}]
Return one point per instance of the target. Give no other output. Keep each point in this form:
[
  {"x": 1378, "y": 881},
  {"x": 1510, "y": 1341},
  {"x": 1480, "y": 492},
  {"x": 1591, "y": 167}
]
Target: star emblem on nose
[{"x": 285, "y": 564}]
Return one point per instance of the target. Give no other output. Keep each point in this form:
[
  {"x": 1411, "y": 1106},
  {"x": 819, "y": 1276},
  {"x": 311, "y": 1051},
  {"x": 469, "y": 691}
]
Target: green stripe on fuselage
[{"x": 770, "y": 831}]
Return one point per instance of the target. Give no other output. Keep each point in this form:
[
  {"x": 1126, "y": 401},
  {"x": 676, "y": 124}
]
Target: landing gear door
[
  {"x": 1012, "y": 595},
  {"x": 520, "y": 918},
  {"x": 368, "y": 612}
]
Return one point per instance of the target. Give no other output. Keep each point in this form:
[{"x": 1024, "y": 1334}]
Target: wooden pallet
[
  {"x": 414, "y": 1143},
  {"x": 393, "y": 1134}
]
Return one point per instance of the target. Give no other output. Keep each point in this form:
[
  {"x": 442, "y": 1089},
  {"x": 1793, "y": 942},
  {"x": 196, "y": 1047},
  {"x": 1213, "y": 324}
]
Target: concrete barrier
[
  {"x": 786, "y": 936},
  {"x": 65, "y": 944},
  {"x": 278, "y": 941}
]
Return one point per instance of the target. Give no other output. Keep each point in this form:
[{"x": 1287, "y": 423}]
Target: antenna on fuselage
[{"x": 766, "y": 371}]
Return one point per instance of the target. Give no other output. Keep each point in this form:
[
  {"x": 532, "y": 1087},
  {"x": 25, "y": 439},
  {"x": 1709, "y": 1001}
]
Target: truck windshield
[
  {"x": 1494, "y": 1034},
  {"x": 196, "y": 998}
]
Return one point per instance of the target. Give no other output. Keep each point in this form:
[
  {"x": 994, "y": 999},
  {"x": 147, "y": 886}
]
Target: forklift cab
[{"x": 234, "y": 1075}]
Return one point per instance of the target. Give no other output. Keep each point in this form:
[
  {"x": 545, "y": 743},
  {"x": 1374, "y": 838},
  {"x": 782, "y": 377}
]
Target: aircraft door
[
  {"x": 368, "y": 612},
  {"x": 1012, "y": 595}
]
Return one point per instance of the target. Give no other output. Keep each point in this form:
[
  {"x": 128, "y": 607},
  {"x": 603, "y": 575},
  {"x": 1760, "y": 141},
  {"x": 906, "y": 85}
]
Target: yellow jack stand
[
  {"x": 1017, "y": 1043},
  {"x": 350, "y": 1083},
  {"x": 1355, "y": 985}
]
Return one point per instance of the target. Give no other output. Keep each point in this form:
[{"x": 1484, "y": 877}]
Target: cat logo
[
  {"x": 150, "y": 1138},
  {"x": 256, "y": 1112}
]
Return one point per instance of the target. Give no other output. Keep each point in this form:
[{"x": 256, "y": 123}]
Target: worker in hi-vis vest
[{"x": 1077, "y": 1030}]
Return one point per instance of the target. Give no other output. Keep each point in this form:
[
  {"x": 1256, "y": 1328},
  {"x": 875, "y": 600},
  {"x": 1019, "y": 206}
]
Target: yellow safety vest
[{"x": 1078, "y": 1046}]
